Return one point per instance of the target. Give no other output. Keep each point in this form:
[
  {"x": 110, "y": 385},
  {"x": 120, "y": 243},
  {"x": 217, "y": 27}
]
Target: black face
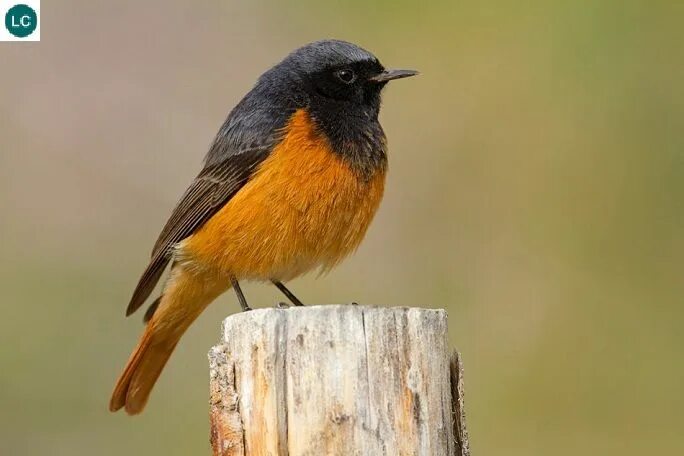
[
  {"x": 331, "y": 73},
  {"x": 349, "y": 83}
]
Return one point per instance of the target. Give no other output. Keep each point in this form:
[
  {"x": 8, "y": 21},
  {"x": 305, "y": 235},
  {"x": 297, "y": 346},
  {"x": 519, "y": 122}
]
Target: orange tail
[{"x": 185, "y": 297}]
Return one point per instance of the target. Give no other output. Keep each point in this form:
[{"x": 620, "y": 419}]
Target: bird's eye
[{"x": 347, "y": 76}]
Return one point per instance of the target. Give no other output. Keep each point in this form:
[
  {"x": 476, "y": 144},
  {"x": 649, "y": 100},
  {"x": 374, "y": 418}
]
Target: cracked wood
[{"x": 337, "y": 380}]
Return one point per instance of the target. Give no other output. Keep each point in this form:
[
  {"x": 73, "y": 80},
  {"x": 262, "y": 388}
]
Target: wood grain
[{"x": 336, "y": 380}]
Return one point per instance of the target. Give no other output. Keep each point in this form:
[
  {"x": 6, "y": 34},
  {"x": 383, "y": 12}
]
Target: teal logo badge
[{"x": 21, "y": 20}]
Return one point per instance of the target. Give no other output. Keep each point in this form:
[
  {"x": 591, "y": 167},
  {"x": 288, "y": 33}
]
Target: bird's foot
[{"x": 282, "y": 305}]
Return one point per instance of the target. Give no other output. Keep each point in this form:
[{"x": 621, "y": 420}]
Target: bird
[{"x": 290, "y": 184}]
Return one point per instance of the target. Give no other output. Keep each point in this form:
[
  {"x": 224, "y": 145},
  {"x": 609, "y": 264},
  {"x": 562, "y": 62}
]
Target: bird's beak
[{"x": 389, "y": 75}]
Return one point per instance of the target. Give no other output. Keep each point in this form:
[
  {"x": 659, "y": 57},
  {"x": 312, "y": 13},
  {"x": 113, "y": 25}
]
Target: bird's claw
[{"x": 282, "y": 305}]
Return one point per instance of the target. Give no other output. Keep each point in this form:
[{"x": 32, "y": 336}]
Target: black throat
[{"x": 354, "y": 132}]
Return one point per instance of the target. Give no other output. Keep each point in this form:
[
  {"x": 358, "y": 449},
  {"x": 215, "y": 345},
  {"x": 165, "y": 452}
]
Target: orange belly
[{"x": 303, "y": 208}]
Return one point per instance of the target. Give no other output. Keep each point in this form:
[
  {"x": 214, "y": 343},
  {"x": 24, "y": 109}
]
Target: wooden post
[{"x": 336, "y": 380}]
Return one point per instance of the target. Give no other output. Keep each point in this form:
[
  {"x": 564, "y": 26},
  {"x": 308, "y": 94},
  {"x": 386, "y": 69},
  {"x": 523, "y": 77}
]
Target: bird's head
[{"x": 333, "y": 74}]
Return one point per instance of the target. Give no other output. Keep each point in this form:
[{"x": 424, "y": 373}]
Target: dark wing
[
  {"x": 246, "y": 138},
  {"x": 210, "y": 191}
]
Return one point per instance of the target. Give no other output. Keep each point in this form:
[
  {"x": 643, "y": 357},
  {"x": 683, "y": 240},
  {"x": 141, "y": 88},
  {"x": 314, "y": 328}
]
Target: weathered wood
[
  {"x": 458, "y": 405},
  {"x": 226, "y": 425},
  {"x": 336, "y": 380}
]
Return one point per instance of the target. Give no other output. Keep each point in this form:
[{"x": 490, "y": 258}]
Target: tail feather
[
  {"x": 142, "y": 370},
  {"x": 151, "y": 310},
  {"x": 184, "y": 298}
]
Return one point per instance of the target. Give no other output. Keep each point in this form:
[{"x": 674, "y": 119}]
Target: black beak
[{"x": 389, "y": 75}]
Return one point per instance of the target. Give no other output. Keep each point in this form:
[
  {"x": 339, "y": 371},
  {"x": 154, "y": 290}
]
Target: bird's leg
[
  {"x": 287, "y": 293},
  {"x": 240, "y": 296}
]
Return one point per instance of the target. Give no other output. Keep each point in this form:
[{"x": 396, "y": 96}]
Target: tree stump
[{"x": 336, "y": 380}]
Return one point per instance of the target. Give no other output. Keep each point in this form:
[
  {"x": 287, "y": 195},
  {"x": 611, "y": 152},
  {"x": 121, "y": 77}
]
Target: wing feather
[
  {"x": 246, "y": 138},
  {"x": 214, "y": 187}
]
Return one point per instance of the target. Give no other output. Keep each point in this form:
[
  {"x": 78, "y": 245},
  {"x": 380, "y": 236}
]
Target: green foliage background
[{"x": 535, "y": 191}]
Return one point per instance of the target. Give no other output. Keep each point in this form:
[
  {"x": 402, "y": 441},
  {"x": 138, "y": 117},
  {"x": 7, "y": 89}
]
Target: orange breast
[{"x": 303, "y": 208}]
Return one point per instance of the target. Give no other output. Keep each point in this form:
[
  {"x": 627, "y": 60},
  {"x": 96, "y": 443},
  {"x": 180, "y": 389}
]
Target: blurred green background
[{"x": 535, "y": 191}]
